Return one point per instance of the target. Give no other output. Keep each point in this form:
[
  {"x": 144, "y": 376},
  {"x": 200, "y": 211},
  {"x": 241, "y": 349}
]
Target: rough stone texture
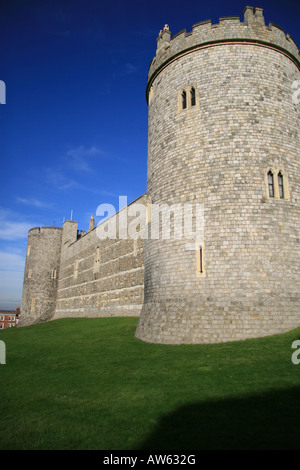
[
  {"x": 112, "y": 287},
  {"x": 218, "y": 153}
]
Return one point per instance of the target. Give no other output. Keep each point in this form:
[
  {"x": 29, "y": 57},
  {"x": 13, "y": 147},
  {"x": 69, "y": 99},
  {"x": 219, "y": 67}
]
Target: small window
[
  {"x": 76, "y": 269},
  {"x": 193, "y": 97},
  {"x": 150, "y": 94},
  {"x": 201, "y": 259},
  {"x": 53, "y": 274},
  {"x": 187, "y": 98},
  {"x": 271, "y": 184},
  {"x": 280, "y": 185},
  {"x": 32, "y": 309},
  {"x": 183, "y": 95},
  {"x": 28, "y": 250},
  {"x": 29, "y": 273},
  {"x": 135, "y": 246},
  {"x": 97, "y": 260}
]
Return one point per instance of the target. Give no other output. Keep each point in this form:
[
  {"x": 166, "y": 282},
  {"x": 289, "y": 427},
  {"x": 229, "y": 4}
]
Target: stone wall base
[
  {"x": 188, "y": 322},
  {"x": 112, "y": 311}
]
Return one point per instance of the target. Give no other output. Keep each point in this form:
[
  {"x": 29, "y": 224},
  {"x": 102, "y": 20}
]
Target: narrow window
[
  {"x": 97, "y": 260},
  {"x": 76, "y": 269},
  {"x": 32, "y": 309},
  {"x": 271, "y": 184},
  {"x": 53, "y": 274},
  {"x": 28, "y": 250},
  {"x": 135, "y": 246},
  {"x": 29, "y": 273},
  {"x": 193, "y": 97},
  {"x": 183, "y": 100},
  {"x": 280, "y": 185},
  {"x": 201, "y": 259}
]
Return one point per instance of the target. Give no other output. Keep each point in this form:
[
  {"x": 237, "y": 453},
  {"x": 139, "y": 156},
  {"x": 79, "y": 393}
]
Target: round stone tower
[
  {"x": 41, "y": 275},
  {"x": 224, "y": 135}
]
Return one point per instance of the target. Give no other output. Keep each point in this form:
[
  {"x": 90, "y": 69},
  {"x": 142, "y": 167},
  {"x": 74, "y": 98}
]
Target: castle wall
[
  {"x": 218, "y": 153},
  {"x": 221, "y": 118},
  {"x": 100, "y": 277},
  {"x": 41, "y": 275}
]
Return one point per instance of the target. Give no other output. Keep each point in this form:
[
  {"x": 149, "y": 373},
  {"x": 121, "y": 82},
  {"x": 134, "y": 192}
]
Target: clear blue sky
[{"x": 73, "y": 131}]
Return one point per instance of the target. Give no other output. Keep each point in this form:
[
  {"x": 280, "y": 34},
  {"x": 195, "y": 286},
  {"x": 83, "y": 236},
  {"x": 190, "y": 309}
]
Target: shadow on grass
[{"x": 266, "y": 422}]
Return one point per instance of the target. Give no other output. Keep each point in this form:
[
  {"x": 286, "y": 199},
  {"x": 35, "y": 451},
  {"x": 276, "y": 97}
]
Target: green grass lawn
[{"x": 89, "y": 384}]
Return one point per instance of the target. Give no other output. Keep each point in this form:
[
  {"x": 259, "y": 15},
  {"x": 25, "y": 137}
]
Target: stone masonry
[
  {"x": 68, "y": 274},
  {"x": 223, "y": 133},
  {"x": 221, "y": 117},
  {"x": 41, "y": 275}
]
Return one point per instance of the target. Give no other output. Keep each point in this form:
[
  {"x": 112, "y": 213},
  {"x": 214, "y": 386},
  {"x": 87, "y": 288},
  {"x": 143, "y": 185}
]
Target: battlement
[
  {"x": 39, "y": 229},
  {"x": 229, "y": 29}
]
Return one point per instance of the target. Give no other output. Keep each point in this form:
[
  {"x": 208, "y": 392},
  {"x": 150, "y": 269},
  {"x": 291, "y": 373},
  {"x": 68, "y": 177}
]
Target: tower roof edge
[{"x": 229, "y": 29}]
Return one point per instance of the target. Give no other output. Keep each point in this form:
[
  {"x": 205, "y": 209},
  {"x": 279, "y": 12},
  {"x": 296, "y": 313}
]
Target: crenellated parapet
[{"x": 228, "y": 30}]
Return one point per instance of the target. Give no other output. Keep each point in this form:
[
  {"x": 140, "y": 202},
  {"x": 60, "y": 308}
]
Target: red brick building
[{"x": 9, "y": 319}]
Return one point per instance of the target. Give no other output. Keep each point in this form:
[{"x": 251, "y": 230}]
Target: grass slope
[{"x": 89, "y": 384}]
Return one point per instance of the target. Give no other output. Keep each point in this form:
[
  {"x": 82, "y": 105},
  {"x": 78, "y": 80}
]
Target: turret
[
  {"x": 163, "y": 39},
  {"x": 92, "y": 223},
  {"x": 41, "y": 275}
]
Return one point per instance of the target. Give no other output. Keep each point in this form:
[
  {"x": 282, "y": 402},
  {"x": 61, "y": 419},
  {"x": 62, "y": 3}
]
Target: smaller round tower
[{"x": 41, "y": 275}]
